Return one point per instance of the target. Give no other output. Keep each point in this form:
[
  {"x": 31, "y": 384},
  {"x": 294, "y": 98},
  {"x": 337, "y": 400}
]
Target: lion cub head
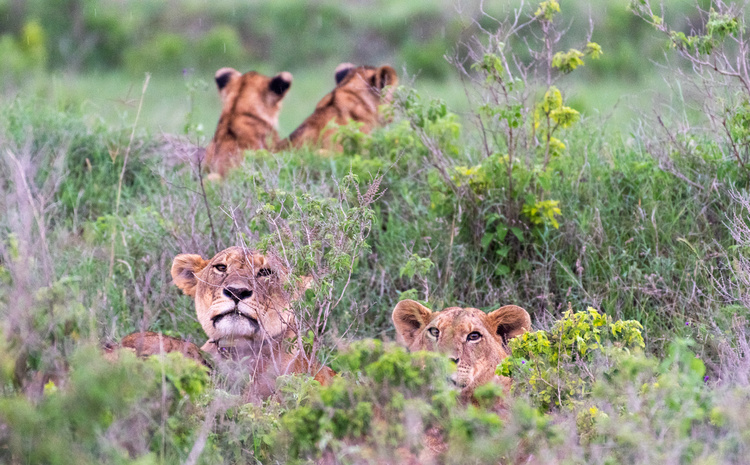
[
  {"x": 359, "y": 91},
  {"x": 475, "y": 341},
  {"x": 249, "y": 117},
  {"x": 238, "y": 297}
]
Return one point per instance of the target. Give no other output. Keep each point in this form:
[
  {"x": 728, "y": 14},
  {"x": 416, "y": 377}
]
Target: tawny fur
[
  {"x": 358, "y": 94},
  {"x": 474, "y": 340},
  {"x": 148, "y": 343},
  {"x": 249, "y": 119},
  {"x": 244, "y": 311}
]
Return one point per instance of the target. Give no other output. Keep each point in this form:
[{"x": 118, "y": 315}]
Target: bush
[
  {"x": 165, "y": 53},
  {"x": 553, "y": 367}
]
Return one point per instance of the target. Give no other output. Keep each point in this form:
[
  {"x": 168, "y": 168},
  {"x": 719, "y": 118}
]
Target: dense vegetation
[{"x": 627, "y": 245}]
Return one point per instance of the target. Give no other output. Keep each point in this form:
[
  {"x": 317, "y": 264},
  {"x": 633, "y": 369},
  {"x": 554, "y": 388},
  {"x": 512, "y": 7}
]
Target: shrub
[{"x": 553, "y": 367}]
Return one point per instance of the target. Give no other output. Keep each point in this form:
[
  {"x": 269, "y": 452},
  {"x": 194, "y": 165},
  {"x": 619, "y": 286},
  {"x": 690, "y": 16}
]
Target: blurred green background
[{"x": 95, "y": 53}]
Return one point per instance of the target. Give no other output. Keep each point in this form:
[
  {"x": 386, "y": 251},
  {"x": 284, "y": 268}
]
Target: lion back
[
  {"x": 251, "y": 103},
  {"x": 357, "y": 96}
]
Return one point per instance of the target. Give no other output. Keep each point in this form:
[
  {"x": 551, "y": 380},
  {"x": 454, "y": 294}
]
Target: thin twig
[{"x": 122, "y": 175}]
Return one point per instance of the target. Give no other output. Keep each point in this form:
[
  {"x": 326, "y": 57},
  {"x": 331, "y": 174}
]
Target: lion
[
  {"x": 242, "y": 307},
  {"x": 249, "y": 119},
  {"x": 148, "y": 343},
  {"x": 475, "y": 341},
  {"x": 359, "y": 91}
]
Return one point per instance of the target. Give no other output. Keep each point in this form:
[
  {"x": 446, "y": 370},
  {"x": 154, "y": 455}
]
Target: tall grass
[{"x": 651, "y": 227}]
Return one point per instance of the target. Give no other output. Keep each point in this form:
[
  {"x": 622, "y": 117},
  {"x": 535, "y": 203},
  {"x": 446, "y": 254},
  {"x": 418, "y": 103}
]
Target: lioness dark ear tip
[
  {"x": 281, "y": 82},
  {"x": 223, "y": 76},
  {"x": 388, "y": 76},
  {"x": 341, "y": 71}
]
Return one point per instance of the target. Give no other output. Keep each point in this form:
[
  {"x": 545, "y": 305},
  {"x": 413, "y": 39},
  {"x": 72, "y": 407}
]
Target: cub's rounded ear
[
  {"x": 223, "y": 77},
  {"x": 184, "y": 268},
  {"x": 510, "y": 321},
  {"x": 341, "y": 71},
  {"x": 305, "y": 283},
  {"x": 384, "y": 76},
  {"x": 409, "y": 318},
  {"x": 281, "y": 83}
]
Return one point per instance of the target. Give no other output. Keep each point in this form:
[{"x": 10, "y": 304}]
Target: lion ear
[
  {"x": 385, "y": 76},
  {"x": 409, "y": 317},
  {"x": 184, "y": 268},
  {"x": 223, "y": 77},
  {"x": 281, "y": 83},
  {"x": 510, "y": 321},
  {"x": 341, "y": 71}
]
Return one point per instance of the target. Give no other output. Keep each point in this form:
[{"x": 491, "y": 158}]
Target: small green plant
[
  {"x": 381, "y": 387},
  {"x": 543, "y": 363}
]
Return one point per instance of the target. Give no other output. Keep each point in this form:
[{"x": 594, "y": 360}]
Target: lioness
[
  {"x": 243, "y": 310},
  {"x": 476, "y": 341},
  {"x": 359, "y": 91},
  {"x": 249, "y": 117},
  {"x": 148, "y": 343}
]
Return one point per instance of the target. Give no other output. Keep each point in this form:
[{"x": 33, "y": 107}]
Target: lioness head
[
  {"x": 249, "y": 118},
  {"x": 476, "y": 341},
  {"x": 359, "y": 92},
  {"x": 368, "y": 79},
  {"x": 238, "y": 296}
]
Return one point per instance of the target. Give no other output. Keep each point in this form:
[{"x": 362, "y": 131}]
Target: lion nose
[{"x": 237, "y": 294}]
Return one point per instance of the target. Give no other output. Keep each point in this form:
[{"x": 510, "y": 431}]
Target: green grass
[{"x": 644, "y": 233}]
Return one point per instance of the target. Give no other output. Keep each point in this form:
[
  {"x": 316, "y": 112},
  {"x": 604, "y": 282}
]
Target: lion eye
[
  {"x": 220, "y": 268},
  {"x": 433, "y": 332},
  {"x": 474, "y": 336},
  {"x": 263, "y": 272}
]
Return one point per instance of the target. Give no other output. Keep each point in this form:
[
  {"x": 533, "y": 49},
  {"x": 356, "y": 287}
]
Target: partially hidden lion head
[
  {"x": 475, "y": 341},
  {"x": 148, "y": 343},
  {"x": 249, "y": 119},
  {"x": 238, "y": 295},
  {"x": 359, "y": 92},
  {"x": 375, "y": 81}
]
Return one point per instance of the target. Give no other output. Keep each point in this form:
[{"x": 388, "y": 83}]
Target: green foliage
[
  {"x": 567, "y": 61},
  {"x": 718, "y": 27},
  {"x": 165, "y": 52},
  {"x": 541, "y": 207},
  {"x": 542, "y": 212},
  {"x": 221, "y": 46},
  {"x": 548, "y": 9},
  {"x": 25, "y": 55},
  {"x": 101, "y": 399},
  {"x": 379, "y": 387},
  {"x": 543, "y": 362},
  {"x": 416, "y": 265}
]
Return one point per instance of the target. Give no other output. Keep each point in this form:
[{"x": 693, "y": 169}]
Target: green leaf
[
  {"x": 501, "y": 270},
  {"x": 487, "y": 239},
  {"x": 501, "y": 232}
]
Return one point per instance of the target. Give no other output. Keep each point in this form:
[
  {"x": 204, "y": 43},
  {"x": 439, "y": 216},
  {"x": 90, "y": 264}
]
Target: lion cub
[
  {"x": 475, "y": 341},
  {"x": 245, "y": 313},
  {"x": 359, "y": 91},
  {"x": 249, "y": 117}
]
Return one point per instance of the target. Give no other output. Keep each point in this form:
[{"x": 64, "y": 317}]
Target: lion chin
[{"x": 235, "y": 323}]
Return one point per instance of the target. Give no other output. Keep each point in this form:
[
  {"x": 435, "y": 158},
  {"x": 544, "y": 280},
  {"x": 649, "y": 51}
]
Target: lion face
[
  {"x": 251, "y": 103},
  {"x": 475, "y": 341},
  {"x": 238, "y": 296}
]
